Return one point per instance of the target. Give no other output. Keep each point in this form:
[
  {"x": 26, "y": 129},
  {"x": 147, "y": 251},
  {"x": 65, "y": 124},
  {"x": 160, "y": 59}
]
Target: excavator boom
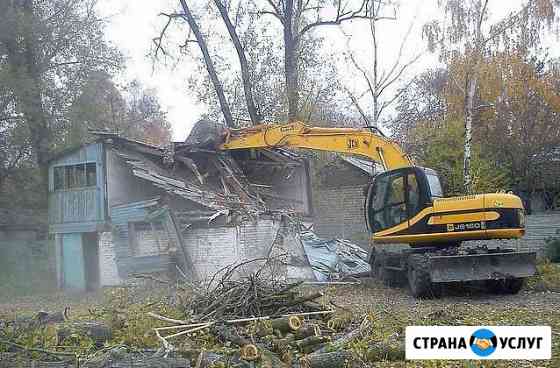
[{"x": 342, "y": 140}]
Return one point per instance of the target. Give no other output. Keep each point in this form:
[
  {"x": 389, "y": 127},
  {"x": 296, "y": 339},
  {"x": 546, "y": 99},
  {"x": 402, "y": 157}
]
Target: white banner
[{"x": 478, "y": 342}]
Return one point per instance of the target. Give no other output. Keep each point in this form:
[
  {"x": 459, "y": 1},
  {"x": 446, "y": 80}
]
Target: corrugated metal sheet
[{"x": 333, "y": 258}]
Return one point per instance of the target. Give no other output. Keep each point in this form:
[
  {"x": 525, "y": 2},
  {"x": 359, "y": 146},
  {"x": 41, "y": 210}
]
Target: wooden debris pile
[
  {"x": 252, "y": 297},
  {"x": 307, "y": 339},
  {"x": 260, "y": 321}
]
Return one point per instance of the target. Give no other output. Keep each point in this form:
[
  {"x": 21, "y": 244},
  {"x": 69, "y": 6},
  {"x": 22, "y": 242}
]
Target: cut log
[
  {"x": 350, "y": 336},
  {"x": 247, "y": 350},
  {"x": 335, "y": 359},
  {"x": 339, "y": 323},
  {"x": 286, "y": 324}
]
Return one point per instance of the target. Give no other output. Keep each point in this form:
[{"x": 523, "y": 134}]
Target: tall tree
[
  {"x": 189, "y": 17},
  {"x": 132, "y": 111},
  {"x": 297, "y": 19},
  {"x": 252, "y": 107},
  {"x": 513, "y": 149},
  {"x": 47, "y": 50},
  {"x": 467, "y": 30}
]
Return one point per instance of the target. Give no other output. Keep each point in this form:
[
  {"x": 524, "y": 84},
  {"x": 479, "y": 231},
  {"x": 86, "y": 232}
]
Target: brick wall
[
  {"x": 339, "y": 213},
  {"x": 538, "y": 228},
  {"x": 213, "y": 248}
]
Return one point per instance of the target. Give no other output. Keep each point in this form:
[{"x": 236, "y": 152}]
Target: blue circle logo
[{"x": 483, "y": 342}]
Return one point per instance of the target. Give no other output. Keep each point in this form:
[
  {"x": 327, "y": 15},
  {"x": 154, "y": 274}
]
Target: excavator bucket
[{"x": 487, "y": 266}]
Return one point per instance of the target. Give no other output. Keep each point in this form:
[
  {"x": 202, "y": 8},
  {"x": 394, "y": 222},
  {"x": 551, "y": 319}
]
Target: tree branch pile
[
  {"x": 260, "y": 318},
  {"x": 236, "y": 320}
]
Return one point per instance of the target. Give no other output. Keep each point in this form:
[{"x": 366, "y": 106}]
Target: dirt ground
[{"x": 392, "y": 308}]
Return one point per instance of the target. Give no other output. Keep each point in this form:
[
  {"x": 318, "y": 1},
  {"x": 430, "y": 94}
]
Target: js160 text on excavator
[{"x": 405, "y": 204}]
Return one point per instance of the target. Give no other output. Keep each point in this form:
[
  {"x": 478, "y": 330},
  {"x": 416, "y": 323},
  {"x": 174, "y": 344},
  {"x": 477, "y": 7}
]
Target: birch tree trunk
[
  {"x": 375, "y": 92},
  {"x": 469, "y": 107}
]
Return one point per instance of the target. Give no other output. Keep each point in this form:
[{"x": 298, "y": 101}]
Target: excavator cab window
[{"x": 395, "y": 197}]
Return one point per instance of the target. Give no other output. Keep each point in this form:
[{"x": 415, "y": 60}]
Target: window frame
[
  {"x": 388, "y": 178},
  {"x": 66, "y": 175}
]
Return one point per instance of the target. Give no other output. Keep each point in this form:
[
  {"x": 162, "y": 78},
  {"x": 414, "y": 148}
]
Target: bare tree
[
  {"x": 298, "y": 18},
  {"x": 188, "y": 16},
  {"x": 252, "y": 108},
  {"x": 378, "y": 79}
]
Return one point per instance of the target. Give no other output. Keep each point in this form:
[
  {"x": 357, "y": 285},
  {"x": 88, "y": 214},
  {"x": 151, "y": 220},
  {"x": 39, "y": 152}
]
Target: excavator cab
[{"x": 396, "y": 196}]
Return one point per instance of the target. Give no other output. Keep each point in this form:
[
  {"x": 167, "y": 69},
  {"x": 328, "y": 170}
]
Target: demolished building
[{"x": 118, "y": 207}]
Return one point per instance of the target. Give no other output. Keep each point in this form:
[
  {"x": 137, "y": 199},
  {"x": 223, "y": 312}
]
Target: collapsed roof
[{"x": 244, "y": 182}]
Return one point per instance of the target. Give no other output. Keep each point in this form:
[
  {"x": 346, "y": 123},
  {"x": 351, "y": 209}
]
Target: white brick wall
[
  {"x": 339, "y": 213},
  {"x": 108, "y": 274},
  {"x": 212, "y": 249}
]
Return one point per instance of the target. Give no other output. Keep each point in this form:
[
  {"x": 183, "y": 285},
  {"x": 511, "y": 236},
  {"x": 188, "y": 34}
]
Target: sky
[{"x": 132, "y": 25}]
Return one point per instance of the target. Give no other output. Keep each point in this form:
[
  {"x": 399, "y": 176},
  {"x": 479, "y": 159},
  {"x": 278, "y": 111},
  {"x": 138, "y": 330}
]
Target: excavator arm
[{"x": 342, "y": 140}]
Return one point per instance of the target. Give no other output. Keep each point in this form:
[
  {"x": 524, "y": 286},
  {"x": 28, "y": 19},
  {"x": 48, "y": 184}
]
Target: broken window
[
  {"x": 75, "y": 176},
  {"x": 148, "y": 238}
]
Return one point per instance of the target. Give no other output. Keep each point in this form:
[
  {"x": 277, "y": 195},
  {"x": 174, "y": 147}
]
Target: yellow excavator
[{"x": 405, "y": 205}]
